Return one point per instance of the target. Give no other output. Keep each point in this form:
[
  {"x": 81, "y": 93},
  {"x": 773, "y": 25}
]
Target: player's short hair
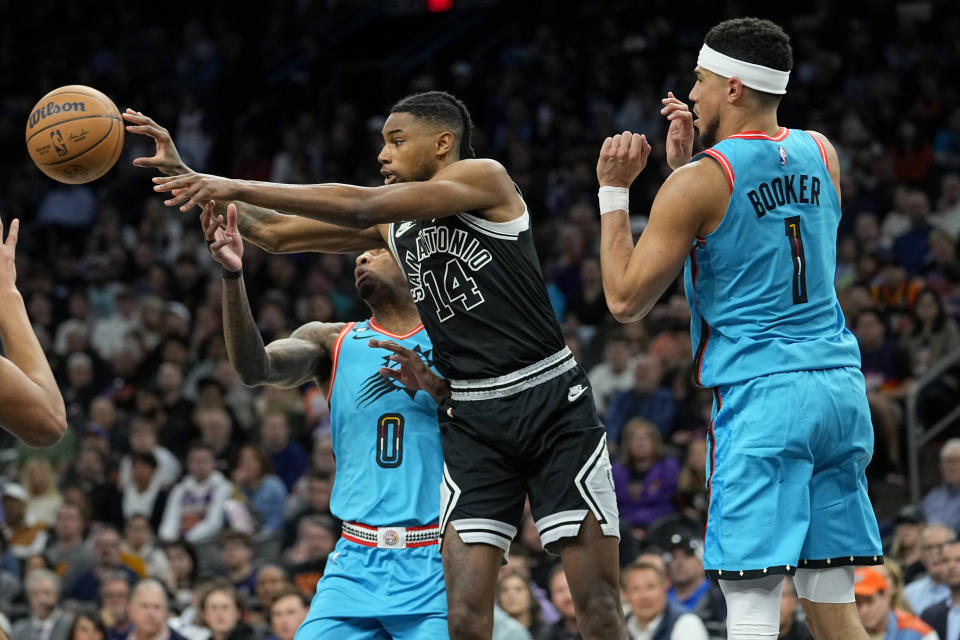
[
  {"x": 445, "y": 110},
  {"x": 753, "y": 40}
]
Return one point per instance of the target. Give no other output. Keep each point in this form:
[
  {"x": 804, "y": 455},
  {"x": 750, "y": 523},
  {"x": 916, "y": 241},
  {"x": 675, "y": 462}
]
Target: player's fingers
[
  {"x": 179, "y": 195},
  {"x": 386, "y": 372},
  {"x": 231, "y": 217},
  {"x": 13, "y": 234},
  {"x": 607, "y": 144},
  {"x": 644, "y": 148}
]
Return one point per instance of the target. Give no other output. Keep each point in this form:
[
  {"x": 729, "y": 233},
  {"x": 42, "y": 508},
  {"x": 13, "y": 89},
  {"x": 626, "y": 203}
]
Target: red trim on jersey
[
  {"x": 376, "y": 327},
  {"x": 704, "y": 339},
  {"x": 336, "y": 357},
  {"x": 713, "y": 459},
  {"x": 823, "y": 152},
  {"x": 724, "y": 164},
  {"x": 365, "y": 543},
  {"x": 760, "y": 135}
]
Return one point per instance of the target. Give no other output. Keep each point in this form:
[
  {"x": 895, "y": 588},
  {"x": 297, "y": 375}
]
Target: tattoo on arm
[{"x": 288, "y": 362}]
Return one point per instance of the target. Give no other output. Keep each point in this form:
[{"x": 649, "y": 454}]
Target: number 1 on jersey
[
  {"x": 457, "y": 287},
  {"x": 792, "y": 227}
]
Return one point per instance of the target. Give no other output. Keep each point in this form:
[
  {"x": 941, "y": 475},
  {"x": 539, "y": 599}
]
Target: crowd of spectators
[{"x": 180, "y": 495}]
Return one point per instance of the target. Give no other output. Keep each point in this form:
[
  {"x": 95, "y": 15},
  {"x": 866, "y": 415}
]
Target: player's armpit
[
  {"x": 304, "y": 356},
  {"x": 26, "y": 410},
  {"x": 634, "y": 277}
]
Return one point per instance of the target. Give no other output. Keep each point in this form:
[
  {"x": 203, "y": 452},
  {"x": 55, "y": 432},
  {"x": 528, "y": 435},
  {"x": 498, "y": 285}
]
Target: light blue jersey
[
  {"x": 384, "y": 579},
  {"x": 385, "y": 437},
  {"x": 760, "y": 286}
]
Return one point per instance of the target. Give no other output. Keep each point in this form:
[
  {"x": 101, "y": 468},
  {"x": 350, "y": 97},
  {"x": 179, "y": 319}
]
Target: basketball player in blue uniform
[
  {"x": 385, "y": 577},
  {"x": 518, "y": 420},
  {"x": 754, "y": 217}
]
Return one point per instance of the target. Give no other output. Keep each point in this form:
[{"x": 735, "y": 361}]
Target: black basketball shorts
[{"x": 533, "y": 433}]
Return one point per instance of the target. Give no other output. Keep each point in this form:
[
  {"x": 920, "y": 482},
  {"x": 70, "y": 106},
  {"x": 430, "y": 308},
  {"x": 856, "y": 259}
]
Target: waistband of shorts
[
  {"x": 391, "y": 537},
  {"x": 516, "y": 381}
]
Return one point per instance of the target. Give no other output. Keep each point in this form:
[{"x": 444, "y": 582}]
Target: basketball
[{"x": 74, "y": 134}]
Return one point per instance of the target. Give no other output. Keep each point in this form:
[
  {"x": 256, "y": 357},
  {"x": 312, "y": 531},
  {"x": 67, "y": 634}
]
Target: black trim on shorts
[
  {"x": 843, "y": 561},
  {"x": 789, "y": 570},
  {"x": 562, "y": 524}
]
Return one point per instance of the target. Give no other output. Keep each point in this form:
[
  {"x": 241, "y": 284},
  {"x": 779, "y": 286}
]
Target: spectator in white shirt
[
  {"x": 196, "y": 506},
  {"x": 614, "y": 374}
]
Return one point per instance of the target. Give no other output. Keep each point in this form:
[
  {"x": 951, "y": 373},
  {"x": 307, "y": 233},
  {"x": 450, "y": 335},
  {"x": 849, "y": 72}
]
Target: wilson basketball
[{"x": 74, "y": 134}]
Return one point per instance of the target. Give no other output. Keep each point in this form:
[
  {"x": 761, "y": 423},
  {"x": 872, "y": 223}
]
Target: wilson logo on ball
[{"x": 52, "y": 108}]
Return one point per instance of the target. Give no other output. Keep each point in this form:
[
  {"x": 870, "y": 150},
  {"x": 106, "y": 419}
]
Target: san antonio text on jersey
[{"x": 480, "y": 293}]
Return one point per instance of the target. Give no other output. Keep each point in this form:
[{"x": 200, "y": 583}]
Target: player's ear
[
  {"x": 735, "y": 89},
  {"x": 444, "y": 144}
]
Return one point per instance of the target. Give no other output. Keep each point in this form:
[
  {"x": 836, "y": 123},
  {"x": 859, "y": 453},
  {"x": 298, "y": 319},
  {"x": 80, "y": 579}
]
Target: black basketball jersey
[{"x": 480, "y": 293}]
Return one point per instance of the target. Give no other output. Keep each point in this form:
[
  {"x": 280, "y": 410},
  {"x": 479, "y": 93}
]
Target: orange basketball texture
[{"x": 74, "y": 134}]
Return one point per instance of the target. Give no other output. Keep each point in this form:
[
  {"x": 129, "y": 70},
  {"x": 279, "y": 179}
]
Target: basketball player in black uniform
[
  {"x": 519, "y": 419},
  {"x": 31, "y": 407}
]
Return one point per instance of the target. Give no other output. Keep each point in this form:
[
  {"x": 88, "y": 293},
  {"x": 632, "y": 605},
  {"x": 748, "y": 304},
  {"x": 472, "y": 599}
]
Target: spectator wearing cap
[
  {"x": 47, "y": 621},
  {"x": 237, "y": 558},
  {"x": 178, "y": 428},
  {"x": 216, "y": 430},
  {"x": 691, "y": 590},
  {"x": 652, "y": 614},
  {"x": 905, "y": 547},
  {"x": 645, "y": 480},
  {"x": 942, "y": 504},
  {"x": 877, "y": 614},
  {"x": 944, "y": 616},
  {"x": 790, "y": 627},
  {"x": 21, "y": 539},
  {"x": 143, "y": 491},
  {"x": 930, "y": 589}
]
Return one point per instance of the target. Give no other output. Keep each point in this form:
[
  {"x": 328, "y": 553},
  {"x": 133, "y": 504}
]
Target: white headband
[{"x": 755, "y": 76}]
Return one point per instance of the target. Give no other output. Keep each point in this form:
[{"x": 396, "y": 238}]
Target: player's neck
[
  {"x": 744, "y": 120},
  {"x": 399, "y": 320}
]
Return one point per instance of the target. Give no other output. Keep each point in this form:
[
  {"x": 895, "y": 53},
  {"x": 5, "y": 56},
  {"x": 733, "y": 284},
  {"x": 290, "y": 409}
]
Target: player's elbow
[
  {"x": 46, "y": 428},
  {"x": 625, "y": 309}
]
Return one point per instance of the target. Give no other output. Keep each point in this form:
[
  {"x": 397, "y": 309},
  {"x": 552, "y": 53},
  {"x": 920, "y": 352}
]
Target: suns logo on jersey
[{"x": 376, "y": 386}]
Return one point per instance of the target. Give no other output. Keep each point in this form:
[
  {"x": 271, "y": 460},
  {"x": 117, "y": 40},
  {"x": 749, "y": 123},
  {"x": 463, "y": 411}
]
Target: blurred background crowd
[{"x": 214, "y": 497}]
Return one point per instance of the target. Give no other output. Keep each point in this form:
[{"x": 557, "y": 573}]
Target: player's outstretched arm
[
  {"x": 31, "y": 407},
  {"x": 481, "y": 185},
  {"x": 634, "y": 277},
  {"x": 413, "y": 372},
  {"x": 268, "y": 229},
  {"x": 289, "y": 362}
]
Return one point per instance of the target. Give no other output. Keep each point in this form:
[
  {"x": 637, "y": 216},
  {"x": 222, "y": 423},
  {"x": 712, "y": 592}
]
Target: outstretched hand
[
  {"x": 194, "y": 189},
  {"x": 166, "y": 159},
  {"x": 413, "y": 372},
  {"x": 622, "y": 158},
  {"x": 8, "y": 255},
  {"x": 226, "y": 245},
  {"x": 680, "y": 132}
]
